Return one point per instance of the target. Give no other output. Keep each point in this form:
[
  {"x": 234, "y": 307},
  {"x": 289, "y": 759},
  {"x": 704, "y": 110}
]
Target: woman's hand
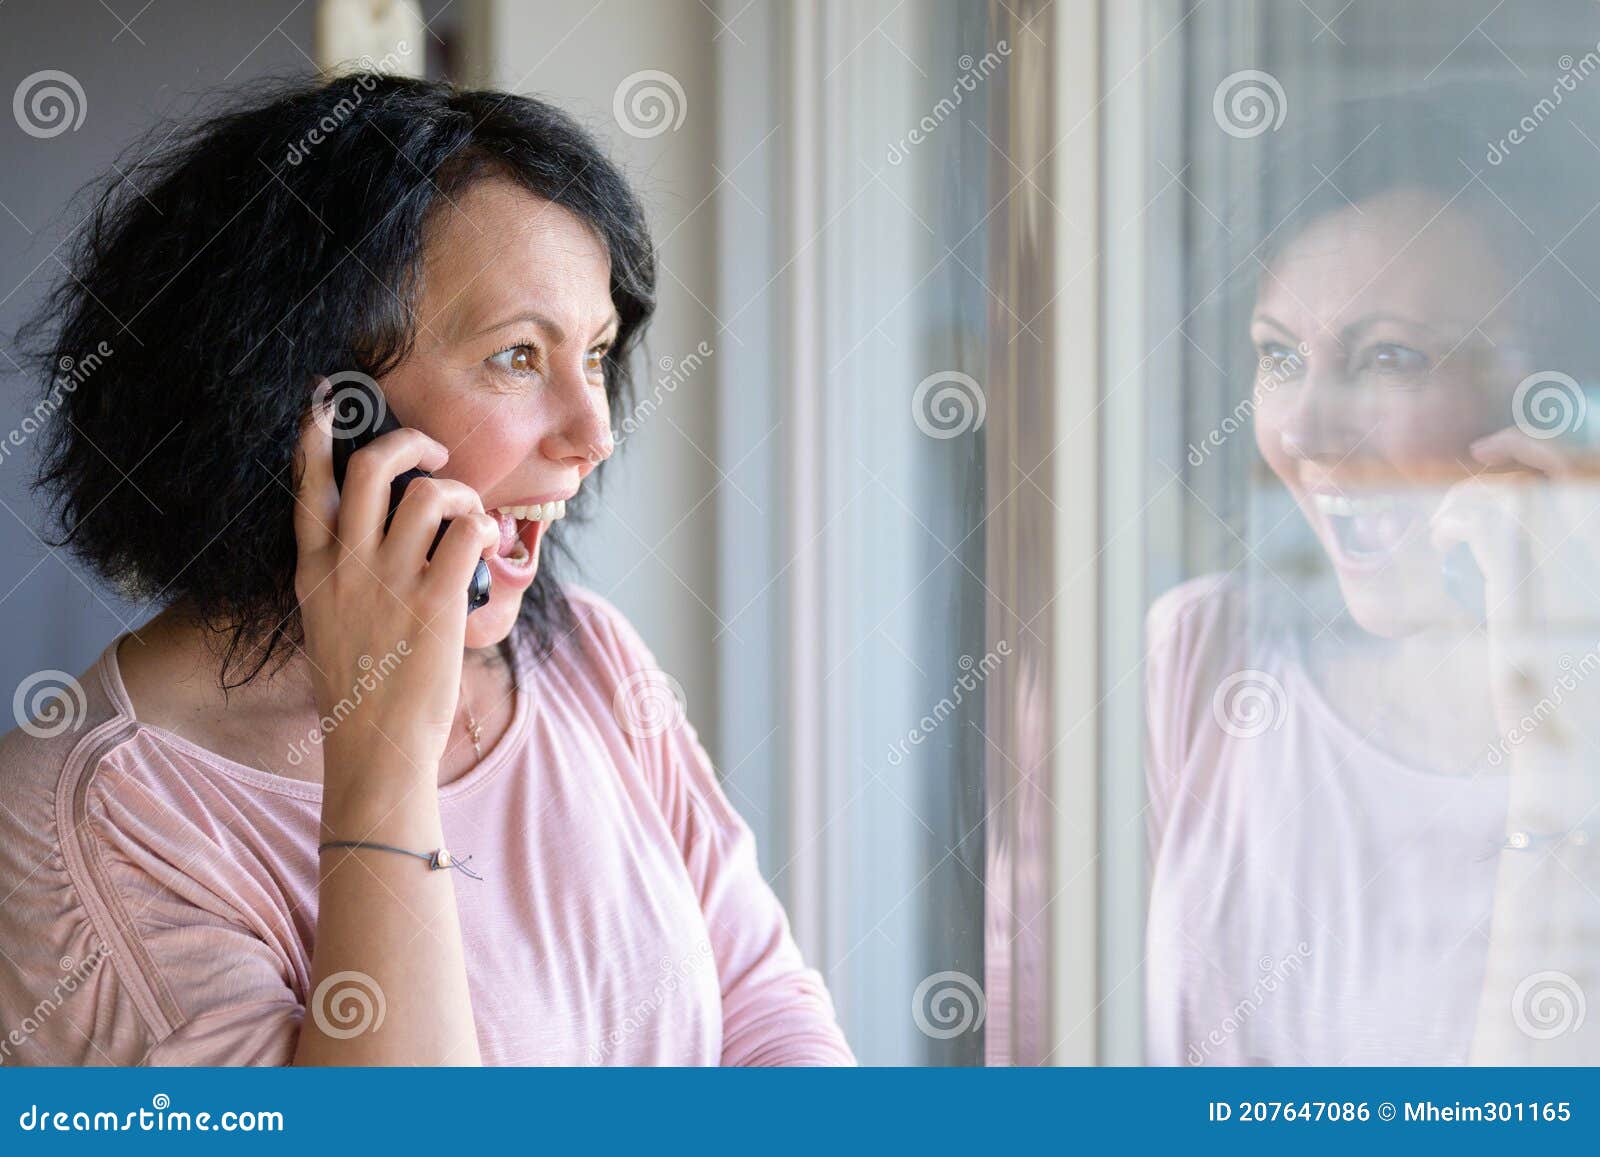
[
  {"x": 385, "y": 634},
  {"x": 1533, "y": 525},
  {"x": 1530, "y": 521},
  {"x": 384, "y": 625}
]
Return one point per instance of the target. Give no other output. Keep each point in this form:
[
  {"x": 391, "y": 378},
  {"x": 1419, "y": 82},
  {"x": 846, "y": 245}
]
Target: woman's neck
[
  {"x": 172, "y": 667},
  {"x": 1415, "y": 696}
]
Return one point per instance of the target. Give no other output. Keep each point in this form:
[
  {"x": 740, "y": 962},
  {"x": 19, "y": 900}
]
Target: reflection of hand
[{"x": 1532, "y": 522}]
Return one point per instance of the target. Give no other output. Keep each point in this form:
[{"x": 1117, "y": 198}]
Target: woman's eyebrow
[
  {"x": 552, "y": 330},
  {"x": 1268, "y": 320},
  {"x": 1360, "y": 326}
]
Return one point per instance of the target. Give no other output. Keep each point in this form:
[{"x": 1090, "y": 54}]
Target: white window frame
[{"x": 1065, "y": 455}]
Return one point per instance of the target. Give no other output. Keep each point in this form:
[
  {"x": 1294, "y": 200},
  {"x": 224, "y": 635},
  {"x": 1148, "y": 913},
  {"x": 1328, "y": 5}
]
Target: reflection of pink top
[
  {"x": 1313, "y": 900},
  {"x": 160, "y": 900}
]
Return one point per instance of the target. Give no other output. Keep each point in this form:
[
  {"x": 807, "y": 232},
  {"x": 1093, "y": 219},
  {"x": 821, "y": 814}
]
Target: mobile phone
[
  {"x": 360, "y": 413},
  {"x": 1464, "y": 582}
]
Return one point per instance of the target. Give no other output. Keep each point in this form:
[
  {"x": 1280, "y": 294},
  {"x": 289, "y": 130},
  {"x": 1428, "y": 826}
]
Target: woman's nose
[
  {"x": 581, "y": 434},
  {"x": 1319, "y": 425}
]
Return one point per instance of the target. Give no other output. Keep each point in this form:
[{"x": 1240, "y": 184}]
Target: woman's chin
[
  {"x": 1396, "y": 605},
  {"x": 493, "y": 621},
  {"x": 1383, "y": 622}
]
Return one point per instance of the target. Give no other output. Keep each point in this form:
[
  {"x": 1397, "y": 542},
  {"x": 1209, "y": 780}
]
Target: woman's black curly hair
[{"x": 219, "y": 277}]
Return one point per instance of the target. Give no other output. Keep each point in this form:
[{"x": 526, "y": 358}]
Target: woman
[
  {"x": 245, "y": 849},
  {"x": 1371, "y": 763}
]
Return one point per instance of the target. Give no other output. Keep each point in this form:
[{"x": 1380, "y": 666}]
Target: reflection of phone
[
  {"x": 1463, "y": 580},
  {"x": 360, "y": 414}
]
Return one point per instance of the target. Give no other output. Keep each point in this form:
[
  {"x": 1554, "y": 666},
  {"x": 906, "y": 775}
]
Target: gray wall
[{"x": 54, "y": 612}]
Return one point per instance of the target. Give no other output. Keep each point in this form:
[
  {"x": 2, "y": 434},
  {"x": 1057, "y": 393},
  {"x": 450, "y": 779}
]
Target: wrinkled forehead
[
  {"x": 1408, "y": 253},
  {"x": 496, "y": 248}
]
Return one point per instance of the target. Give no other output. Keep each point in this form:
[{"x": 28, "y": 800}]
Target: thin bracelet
[
  {"x": 1521, "y": 841},
  {"x": 436, "y": 860}
]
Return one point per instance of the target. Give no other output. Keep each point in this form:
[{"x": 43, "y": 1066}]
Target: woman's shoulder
[
  {"x": 594, "y": 607},
  {"x": 60, "y": 920},
  {"x": 606, "y": 661},
  {"x": 1198, "y": 638},
  {"x": 602, "y": 637},
  {"x": 1203, "y": 618},
  {"x": 65, "y": 724},
  {"x": 611, "y": 673},
  {"x": 80, "y": 781}
]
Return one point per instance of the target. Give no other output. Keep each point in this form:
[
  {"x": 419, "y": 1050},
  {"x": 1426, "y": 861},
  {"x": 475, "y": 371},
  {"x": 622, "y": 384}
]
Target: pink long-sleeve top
[{"x": 158, "y": 902}]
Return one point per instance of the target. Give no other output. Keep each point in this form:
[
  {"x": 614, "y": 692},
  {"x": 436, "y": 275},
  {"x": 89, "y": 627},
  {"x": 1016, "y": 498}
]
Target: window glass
[{"x": 1372, "y": 628}]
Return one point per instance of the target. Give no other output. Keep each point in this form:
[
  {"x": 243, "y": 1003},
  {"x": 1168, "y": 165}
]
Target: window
[
  {"x": 858, "y": 306},
  {"x": 1350, "y": 300}
]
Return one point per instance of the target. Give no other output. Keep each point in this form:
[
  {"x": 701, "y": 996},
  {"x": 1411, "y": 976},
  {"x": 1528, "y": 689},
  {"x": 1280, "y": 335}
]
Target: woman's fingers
[
  {"x": 427, "y": 503},
  {"x": 1515, "y": 448},
  {"x": 364, "y": 501},
  {"x": 1487, "y": 513},
  {"x": 316, "y": 499},
  {"x": 467, "y": 540}
]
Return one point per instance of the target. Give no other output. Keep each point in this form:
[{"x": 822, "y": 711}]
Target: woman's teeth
[
  {"x": 1366, "y": 528},
  {"x": 1342, "y": 506},
  {"x": 538, "y": 512}
]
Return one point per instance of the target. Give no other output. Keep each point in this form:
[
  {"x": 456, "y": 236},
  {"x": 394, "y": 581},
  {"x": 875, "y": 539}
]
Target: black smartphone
[{"x": 360, "y": 413}]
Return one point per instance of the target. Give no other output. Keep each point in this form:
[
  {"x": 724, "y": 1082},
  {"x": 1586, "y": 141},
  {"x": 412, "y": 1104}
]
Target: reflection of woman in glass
[{"x": 1371, "y": 774}]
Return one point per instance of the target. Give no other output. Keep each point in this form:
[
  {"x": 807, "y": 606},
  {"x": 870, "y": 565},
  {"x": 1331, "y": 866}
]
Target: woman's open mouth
[
  {"x": 520, "y": 528},
  {"x": 1364, "y": 533}
]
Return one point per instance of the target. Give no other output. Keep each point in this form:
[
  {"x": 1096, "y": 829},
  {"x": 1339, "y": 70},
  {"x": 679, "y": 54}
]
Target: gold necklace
[{"x": 474, "y": 732}]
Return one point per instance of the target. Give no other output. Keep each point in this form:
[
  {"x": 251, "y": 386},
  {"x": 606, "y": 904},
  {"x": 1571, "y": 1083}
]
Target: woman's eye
[
  {"x": 594, "y": 361},
  {"x": 1394, "y": 359},
  {"x": 518, "y": 359},
  {"x": 1279, "y": 360}
]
